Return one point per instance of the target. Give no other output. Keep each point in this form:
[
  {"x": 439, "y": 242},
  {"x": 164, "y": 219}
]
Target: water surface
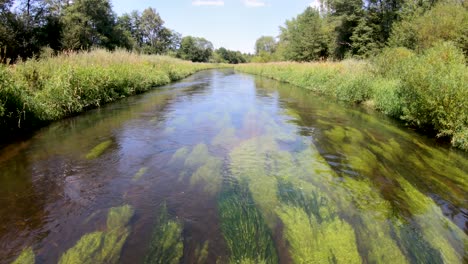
[{"x": 229, "y": 168}]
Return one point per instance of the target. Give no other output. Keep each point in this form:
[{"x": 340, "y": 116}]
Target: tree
[
  {"x": 304, "y": 37},
  {"x": 195, "y": 49},
  {"x": 421, "y": 28},
  {"x": 224, "y": 55},
  {"x": 89, "y": 23},
  {"x": 265, "y": 44}
]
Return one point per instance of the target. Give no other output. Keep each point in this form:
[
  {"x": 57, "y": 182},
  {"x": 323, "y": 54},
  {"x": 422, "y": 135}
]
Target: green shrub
[{"x": 39, "y": 91}]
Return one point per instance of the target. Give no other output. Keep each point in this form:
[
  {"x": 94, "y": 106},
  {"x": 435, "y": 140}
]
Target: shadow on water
[{"x": 230, "y": 168}]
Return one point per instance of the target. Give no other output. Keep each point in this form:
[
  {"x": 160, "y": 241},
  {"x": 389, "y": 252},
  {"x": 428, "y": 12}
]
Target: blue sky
[{"x": 233, "y": 24}]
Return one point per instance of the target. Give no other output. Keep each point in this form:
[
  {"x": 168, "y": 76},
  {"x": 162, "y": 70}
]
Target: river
[{"x": 225, "y": 167}]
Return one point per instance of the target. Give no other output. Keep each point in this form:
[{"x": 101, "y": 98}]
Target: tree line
[
  {"x": 339, "y": 29},
  {"x": 29, "y": 28}
]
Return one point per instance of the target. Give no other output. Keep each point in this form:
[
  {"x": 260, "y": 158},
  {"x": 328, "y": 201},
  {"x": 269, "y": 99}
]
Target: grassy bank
[
  {"x": 36, "y": 92},
  {"x": 428, "y": 91}
]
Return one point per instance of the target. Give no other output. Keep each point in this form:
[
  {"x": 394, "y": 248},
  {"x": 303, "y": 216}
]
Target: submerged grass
[
  {"x": 26, "y": 257},
  {"x": 427, "y": 91},
  {"x": 166, "y": 245},
  {"x": 98, "y": 150},
  {"x": 102, "y": 246},
  {"x": 248, "y": 237},
  {"x": 35, "y": 92}
]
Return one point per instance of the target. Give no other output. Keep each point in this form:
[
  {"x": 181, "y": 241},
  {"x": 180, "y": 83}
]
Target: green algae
[
  {"x": 337, "y": 134},
  {"x": 99, "y": 150},
  {"x": 247, "y": 236},
  {"x": 209, "y": 174},
  {"x": 102, "y": 246},
  {"x": 27, "y": 256},
  {"x": 166, "y": 245},
  {"x": 140, "y": 174},
  {"x": 437, "y": 230},
  {"x": 198, "y": 156},
  {"x": 201, "y": 253},
  {"x": 415, "y": 247},
  {"x": 119, "y": 217},
  {"x": 311, "y": 242}
]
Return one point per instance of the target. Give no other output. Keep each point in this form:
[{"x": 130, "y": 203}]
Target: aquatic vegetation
[
  {"x": 198, "y": 156},
  {"x": 166, "y": 245},
  {"x": 225, "y": 138},
  {"x": 313, "y": 242},
  {"x": 27, "y": 256},
  {"x": 180, "y": 154},
  {"x": 246, "y": 233},
  {"x": 434, "y": 226},
  {"x": 139, "y": 174},
  {"x": 99, "y": 150},
  {"x": 102, "y": 246},
  {"x": 119, "y": 217},
  {"x": 209, "y": 175},
  {"x": 426, "y": 90},
  {"x": 201, "y": 253},
  {"x": 415, "y": 247}
]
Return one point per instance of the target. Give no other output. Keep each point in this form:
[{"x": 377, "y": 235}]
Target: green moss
[
  {"x": 26, "y": 257},
  {"x": 201, "y": 253},
  {"x": 247, "y": 235},
  {"x": 209, "y": 174},
  {"x": 99, "y": 150},
  {"x": 166, "y": 245},
  {"x": 139, "y": 174},
  {"x": 102, "y": 247},
  {"x": 198, "y": 156}
]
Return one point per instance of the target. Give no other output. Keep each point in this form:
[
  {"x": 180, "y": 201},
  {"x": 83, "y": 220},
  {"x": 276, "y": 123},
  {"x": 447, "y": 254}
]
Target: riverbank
[
  {"x": 427, "y": 91},
  {"x": 36, "y": 92}
]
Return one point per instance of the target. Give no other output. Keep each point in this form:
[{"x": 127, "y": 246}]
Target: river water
[{"x": 230, "y": 168}]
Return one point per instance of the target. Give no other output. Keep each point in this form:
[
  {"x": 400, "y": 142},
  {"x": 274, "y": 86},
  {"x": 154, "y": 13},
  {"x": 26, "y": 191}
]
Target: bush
[
  {"x": 428, "y": 91},
  {"x": 39, "y": 91}
]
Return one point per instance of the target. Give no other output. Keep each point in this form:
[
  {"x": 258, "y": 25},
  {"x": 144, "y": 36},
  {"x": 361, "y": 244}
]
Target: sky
[{"x": 233, "y": 24}]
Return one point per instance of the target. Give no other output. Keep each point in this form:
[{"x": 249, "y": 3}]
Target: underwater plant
[
  {"x": 166, "y": 245},
  {"x": 102, "y": 246},
  {"x": 26, "y": 257},
  {"x": 98, "y": 150}
]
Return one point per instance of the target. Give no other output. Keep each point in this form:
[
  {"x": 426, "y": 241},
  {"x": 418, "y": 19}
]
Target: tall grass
[
  {"x": 428, "y": 91},
  {"x": 39, "y": 91}
]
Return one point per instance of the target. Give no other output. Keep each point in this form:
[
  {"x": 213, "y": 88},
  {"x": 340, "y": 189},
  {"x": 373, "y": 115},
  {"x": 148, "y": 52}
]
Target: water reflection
[{"x": 230, "y": 168}]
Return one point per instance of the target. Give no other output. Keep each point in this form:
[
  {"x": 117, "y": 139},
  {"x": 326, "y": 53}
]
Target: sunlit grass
[{"x": 39, "y": 91}]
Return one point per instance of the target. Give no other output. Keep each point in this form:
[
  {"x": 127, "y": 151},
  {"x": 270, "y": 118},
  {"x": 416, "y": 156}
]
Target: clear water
[{"x": 230, "y": 168}]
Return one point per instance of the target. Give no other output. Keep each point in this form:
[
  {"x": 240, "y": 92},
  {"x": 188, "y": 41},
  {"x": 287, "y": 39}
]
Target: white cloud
[
  {"x": 254, "y": 3},
  {"x": 208, "y": 3}
]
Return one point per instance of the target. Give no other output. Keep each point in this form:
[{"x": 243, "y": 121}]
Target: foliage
[
  {"x": 166, "y": 244},
  {"x": 229, "y": 56},
  {"x": 305, "y": 37},
  {"x": 427, "y": 91},
  {"x": 195, "y": 49},
  {"x": 265, "y": 44},
  {"x": 419, "y": 30},
  {"x": 39, "y": 91}
]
